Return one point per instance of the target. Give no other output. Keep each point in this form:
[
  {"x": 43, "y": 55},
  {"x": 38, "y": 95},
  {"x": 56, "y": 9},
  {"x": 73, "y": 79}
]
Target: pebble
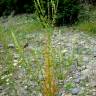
[
  {"x": 94, "y": 92},
  {"x": 85, "y": 73},
  {"x": 77, "y": 80},
  {"x": 93, "y": 83},
  {"x": 1, "y": 46},
  {"x": 75, "y": 91},
  {"x": 16, "y": 56},
  {"x": 11, "y": 46},
  {"x": 94, "y": 52},
  {"x": 67, "y": 95},
  {"x": 86, "y": 59},
  {"x": 1, "y": 88},
  {"x": 83, "y": 67}
]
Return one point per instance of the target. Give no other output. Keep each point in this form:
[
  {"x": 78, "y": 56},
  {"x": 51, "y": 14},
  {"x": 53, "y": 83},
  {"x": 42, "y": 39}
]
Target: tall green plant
[
  {"x": 49, "y": 85},
  {"x": 46, "y": 14}
]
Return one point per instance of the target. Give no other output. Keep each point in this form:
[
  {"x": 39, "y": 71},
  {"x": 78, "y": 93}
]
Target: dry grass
[{"x": 49, "y": 83}]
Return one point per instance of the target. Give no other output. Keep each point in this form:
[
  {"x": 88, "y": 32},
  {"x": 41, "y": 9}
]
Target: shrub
[
  {"x": 67, "y": 12},
  {"x": 22, "y": 6},
  {"x": 18, "y": 6},
  {"x": 88, "y": 27}
]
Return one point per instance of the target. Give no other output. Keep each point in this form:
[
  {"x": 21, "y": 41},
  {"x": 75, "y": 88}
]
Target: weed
[{"x": 89, "y": 27}]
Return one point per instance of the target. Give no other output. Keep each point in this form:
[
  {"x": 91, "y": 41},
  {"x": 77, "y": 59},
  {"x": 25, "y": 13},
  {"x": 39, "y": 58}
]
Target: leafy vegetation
[
  {"x": 87, "y": 20},
  {"x": 67, "y": 10}
]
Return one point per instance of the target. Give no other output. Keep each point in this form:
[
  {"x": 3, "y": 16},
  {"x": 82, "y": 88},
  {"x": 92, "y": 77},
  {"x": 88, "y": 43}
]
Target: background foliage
[{"x": 67, "y": 12}]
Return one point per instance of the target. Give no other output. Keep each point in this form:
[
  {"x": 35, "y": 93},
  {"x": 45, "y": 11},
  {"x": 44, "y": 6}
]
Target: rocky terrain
[{"x": 81, "y": 72}]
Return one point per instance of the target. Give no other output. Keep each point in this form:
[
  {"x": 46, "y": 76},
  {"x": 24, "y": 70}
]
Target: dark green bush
[
  {"x": 68, "y": 11},
  {"x": 24, "y": 6},
  {"x": 6, "y": 6},
  {"x": 18, "y": 6}
]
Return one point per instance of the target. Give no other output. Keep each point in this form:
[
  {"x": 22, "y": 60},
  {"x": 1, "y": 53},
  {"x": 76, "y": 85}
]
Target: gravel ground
[{"x": 82, "y": 73}]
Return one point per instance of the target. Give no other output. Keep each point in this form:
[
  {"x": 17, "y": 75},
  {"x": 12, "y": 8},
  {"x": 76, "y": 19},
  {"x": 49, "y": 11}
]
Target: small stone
[
  {"x": 19, "y": 66},
  {"x": 39, "y": 94},
  {"x": 59, "y": 43},
  {"x": 85, "y": 73},
  {"x": 77, "y": 80},
  {"x": 1, "y": 46},
  {"x": 87, "y": 85},
  {"x": 94, "y": 94},
  {"x": 25, "y": 87},
  {"x": 1, "y": 51},
  {"x": 86, "y": 59},
  {"x": 15, "y": 61},
  {"x": 16, "y": 56},
  {"x": 94, "y": 52},
  {"x": 62, "y": 92},
  {"x": 60, "y": 82},
  {"x": 15, "y": 64},
  {"x": 1, "y": 88},
  {"x": 63, "y": 51},
  {"x": 67, "y": 95},
  {"x": 74, "y": 68},
  {"x": 93, "y": 83},
  {"x": 83, "y": 67},
  {"x": 75, "y": 91},
  {"x": 11, "y": 46}
]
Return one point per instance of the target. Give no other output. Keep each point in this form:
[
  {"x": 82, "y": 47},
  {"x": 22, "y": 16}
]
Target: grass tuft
[
  {"x": 89, "y": 27},
  {"x": 49, "y": 84}
]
